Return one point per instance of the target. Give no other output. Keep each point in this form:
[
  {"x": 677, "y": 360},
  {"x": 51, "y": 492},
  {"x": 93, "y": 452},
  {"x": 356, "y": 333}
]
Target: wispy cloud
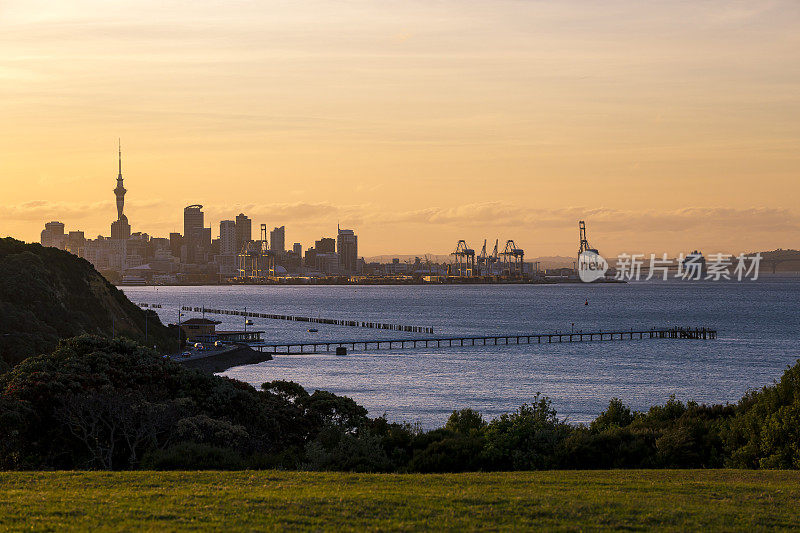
[{"x": 613, "y": 220}]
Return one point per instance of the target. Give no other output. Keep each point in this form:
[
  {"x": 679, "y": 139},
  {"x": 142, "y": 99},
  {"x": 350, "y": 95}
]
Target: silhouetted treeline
[{"x": 98, "y": 403}]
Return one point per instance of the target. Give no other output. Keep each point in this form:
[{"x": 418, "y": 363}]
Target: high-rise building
[
  {"x": 76, "y": 241},
  {"x": 347, "y": 247},
  {"x": 297, "y": 248},
  {"x": 193, "y": 231},
  {"x": 227, "y": 238},
  {"x": 192, "y": 221},
  {"x": 325, "y": 245},
  {"x": 175, "y": 244},
  {"x": 277, "y": 239},
  {"x": 310, "y": 257},
  {"x": 244, "y": 231},
  {"x": 120, "y": 229},
  {"x": 53, "y": 235}
]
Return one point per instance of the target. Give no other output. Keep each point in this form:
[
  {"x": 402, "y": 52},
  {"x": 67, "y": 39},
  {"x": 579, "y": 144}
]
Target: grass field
[{"x": 270, "y": 500}]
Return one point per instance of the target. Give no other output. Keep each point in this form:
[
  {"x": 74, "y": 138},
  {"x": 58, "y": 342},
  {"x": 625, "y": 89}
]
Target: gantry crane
[{"x": 464, "y": 259}]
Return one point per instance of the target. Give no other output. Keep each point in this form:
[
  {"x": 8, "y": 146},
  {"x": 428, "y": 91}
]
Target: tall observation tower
[{"x": 120, "y": 229}]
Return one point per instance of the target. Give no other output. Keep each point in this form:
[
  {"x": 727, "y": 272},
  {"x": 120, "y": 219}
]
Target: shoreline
[
  {"x": 220, "y": 362},
  {"x": 373, "y": 284},
  {"x": 378, "y": 283}
]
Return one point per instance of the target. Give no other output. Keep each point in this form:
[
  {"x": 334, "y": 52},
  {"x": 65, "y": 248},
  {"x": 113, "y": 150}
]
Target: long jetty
[
  {"x": 312, "y": 320},
  {"x": 490, "y": 340}
]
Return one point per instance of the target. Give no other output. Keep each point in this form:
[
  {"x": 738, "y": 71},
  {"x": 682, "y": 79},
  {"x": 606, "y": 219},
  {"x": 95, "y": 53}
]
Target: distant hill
[
  {"x": 47, "y": 294},
  {"x": 780, "y": 261}
]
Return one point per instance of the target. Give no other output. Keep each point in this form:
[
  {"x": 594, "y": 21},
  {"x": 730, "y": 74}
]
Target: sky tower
[
  {"x": 120, "y": 191},
  {"x": 120, "y": 229}
]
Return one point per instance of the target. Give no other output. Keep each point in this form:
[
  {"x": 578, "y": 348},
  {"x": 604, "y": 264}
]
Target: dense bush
[
  {"x": 765, "y": 433},
  {"x": 97, "y": 403},
  {"x": 48, "y": 294}
]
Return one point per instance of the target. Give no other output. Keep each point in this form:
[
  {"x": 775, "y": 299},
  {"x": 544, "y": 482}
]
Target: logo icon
[{"x": 591, "y": 266}]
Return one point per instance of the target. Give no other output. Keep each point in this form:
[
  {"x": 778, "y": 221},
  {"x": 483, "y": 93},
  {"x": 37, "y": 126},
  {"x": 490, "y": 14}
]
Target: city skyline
[
  {"x": 441, "y": 122},
  {"x": 215, "y": 229}
]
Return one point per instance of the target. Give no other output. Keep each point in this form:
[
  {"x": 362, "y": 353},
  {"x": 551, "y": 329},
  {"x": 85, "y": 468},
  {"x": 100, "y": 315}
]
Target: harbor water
[{"x": 758, "y": 324}]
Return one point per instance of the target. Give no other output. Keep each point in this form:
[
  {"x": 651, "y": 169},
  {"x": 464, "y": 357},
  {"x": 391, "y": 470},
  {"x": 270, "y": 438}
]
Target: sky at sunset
[{"x": 667, "y": 126}]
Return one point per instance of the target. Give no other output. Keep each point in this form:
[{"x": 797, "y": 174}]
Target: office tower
[
  {"x": 325, "y": 245},
  {"x": 76, "y": 241},
  {"x": 53, "y": 235},
  {"x": 192, "y": 222},
  {"x": 297, "y": 248},
  {"x": 120, "y": 229},
  {"x": 227, "y": 238},
  {"x": 244, "y": 231},
  {"x": 347, "y": 245},
  {"x": 310, "y": 257},
  {"x": 277, "y": 239},
  {"x": 175, "y": 244},
  {"x": 193, "y": 231}
]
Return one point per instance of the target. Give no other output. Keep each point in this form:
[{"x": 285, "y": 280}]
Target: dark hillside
[{"x": 48, "y": 294}]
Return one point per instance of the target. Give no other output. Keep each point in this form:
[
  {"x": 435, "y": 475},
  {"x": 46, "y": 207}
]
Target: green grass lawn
[{"x": 270, "y": 500}]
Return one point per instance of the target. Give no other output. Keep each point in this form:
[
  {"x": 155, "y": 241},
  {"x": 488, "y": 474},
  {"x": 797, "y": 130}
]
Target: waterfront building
[
  {"x": 396, "y": 267},
  {"x": 327, "y": 263},
  {"x": 195, "y": 327}
]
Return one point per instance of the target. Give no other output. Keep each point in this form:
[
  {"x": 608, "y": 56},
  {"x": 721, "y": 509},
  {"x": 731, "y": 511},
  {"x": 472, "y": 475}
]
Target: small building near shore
[
  {"x": 205, "y": 330},
  {"x": 196, "y": 327}
]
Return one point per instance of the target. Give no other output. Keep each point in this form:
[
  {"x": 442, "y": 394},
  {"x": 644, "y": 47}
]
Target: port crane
[
  {"x": 464, "y": 259},
  {"x": 513, "y": 259},
  {"x": 584, "y": 244}
]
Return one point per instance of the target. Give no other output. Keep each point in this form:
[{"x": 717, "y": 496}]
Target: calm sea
[{"x": 758, "y": 323}]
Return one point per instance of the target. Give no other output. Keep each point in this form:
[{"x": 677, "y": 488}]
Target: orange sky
[{"x": 668, "y": 126}]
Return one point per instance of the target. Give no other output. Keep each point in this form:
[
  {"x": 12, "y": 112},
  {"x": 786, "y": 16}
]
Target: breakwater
[{"x": 312, "y": 320}]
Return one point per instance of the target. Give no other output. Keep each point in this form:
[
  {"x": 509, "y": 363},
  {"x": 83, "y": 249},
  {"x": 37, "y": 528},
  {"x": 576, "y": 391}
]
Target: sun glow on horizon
[{"x": 666, "y": 126}]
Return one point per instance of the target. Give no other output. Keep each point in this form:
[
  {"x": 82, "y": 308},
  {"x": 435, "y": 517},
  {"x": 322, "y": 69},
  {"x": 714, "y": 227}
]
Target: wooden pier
[{"x": 491, "y": 340}]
